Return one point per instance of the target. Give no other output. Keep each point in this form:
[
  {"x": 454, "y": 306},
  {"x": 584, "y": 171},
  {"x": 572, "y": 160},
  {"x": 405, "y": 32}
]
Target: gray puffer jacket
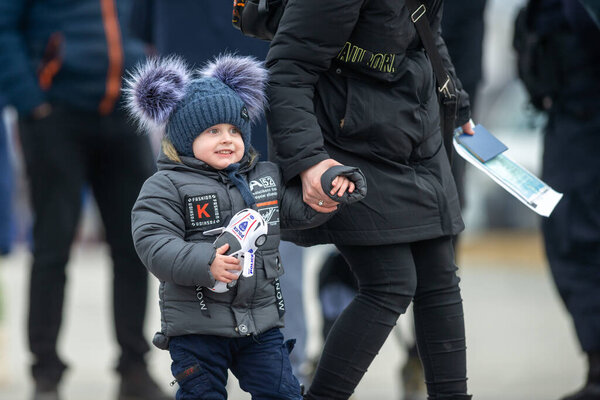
[{"x": 183, "y": 200}]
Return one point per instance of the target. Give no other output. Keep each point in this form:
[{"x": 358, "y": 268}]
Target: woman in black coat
[{"x": 351, "y": 84}]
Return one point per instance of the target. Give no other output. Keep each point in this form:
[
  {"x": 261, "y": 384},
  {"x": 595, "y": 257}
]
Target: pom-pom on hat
[{"x": 163, "y": 94}]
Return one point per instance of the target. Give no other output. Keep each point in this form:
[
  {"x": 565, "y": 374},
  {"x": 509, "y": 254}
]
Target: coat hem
[{"x": 371, "y": 238}]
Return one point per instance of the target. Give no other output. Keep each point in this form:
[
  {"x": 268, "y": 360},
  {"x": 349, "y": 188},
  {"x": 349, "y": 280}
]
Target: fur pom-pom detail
[
  {"x": 154, "y": 88},
  {"x": 246, "y": 76}
]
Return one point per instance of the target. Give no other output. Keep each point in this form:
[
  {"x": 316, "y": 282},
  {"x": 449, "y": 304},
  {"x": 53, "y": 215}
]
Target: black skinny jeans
[
  {"x": 389, "y": 277},
  {"x": 62, "y": 153}
]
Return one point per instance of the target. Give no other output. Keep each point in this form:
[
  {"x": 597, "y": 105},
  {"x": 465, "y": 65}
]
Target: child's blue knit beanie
[
  {"x": 163, "y": 94},
  {"x": 207, "y": 102}
]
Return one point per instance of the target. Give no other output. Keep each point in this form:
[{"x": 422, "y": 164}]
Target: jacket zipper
[
  {"x": 115, "y": 56},
  {"x": 51, "y": 61}
]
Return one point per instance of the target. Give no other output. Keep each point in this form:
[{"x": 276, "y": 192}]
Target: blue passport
[{"x": 483, "y": 145}]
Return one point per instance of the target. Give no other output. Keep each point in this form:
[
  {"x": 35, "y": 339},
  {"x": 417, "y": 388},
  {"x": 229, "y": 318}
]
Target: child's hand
[
  {"x": 340, "y": 184},
  {"x": 222, "y": 264}
]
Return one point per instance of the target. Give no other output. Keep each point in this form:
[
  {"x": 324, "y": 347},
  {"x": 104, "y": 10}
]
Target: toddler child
[{"x": 207, "y": 172}]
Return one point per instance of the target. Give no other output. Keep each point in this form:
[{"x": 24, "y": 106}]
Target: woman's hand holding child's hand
[
  {"x": 222, "y": 264},
  {"x": 328, "y": 183}
]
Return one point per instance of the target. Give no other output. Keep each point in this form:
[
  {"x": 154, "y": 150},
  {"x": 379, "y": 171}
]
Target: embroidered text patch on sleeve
[{"x": 202, "y": 211}]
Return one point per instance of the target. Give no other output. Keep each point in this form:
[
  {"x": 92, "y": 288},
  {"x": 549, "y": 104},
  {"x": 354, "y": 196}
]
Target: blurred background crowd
[{"x": 521, "y": 339}]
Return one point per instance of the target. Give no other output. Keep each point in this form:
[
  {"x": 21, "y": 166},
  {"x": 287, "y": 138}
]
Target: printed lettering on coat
[
  {"x": 264, "y": 191},
  {"x": 263, "y": 182},
  {"x": 202, "y": 211},
  {"x": 382, "y": 62}
]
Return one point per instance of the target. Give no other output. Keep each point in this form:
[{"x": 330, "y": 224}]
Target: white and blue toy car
[{"x": 246, "y": 232}]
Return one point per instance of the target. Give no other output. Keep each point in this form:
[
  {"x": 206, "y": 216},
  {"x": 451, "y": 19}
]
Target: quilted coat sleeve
[
  {"x": 295, "y": 213},
  {"x": 158, "y": 228},
  {"x": 17, "y": 79},
  {"x": 310, "y": 35}
]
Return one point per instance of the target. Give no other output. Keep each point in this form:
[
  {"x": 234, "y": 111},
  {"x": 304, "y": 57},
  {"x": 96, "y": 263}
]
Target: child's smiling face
[{"x": 219, "y": 146}]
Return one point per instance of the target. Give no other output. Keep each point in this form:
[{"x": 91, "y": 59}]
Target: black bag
[
  {"x": 536, "y": 64},
  {"x": 257, "y": 18}
]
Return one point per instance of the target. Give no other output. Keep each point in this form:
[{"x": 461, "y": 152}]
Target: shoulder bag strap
[{"x": 447, "y": 92}]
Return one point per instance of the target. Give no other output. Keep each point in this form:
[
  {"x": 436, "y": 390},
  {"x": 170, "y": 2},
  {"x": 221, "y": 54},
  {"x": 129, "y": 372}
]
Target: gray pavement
[{"x": 521, "y": 345}]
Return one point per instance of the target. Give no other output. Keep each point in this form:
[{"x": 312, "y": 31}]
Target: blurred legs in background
[
  {"x": 6, "y": 189},
  {"x": 61, "y": 152},
  {"x": 572, "y": 236},
  {"x": 292, "y": 285}
]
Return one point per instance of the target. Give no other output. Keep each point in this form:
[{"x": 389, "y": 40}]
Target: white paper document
[{"x": 518, "y": 181}]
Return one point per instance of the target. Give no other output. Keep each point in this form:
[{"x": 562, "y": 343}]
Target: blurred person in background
[
  {"x": 60, "y": 67},
  {"x": 559, "y": 62},
  {"x": 6, "y": 188},
  {"x": 463, "y": 31},
  {"x": 197, "y": 30}
]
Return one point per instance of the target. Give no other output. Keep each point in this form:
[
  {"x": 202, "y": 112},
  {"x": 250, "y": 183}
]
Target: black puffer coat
[{"x": 351, "y": 81}]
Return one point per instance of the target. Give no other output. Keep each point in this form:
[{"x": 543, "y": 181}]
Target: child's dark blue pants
[{"x": 261, "y": 364}]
